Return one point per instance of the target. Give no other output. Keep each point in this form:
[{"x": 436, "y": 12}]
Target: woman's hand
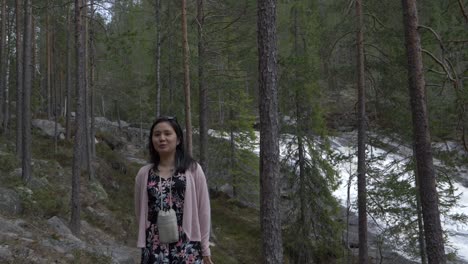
[{"x": 207, "y": 260}]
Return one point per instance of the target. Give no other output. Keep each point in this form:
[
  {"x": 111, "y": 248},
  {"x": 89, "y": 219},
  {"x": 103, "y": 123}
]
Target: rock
[
  {"x": 102, "y": 122},
  {"x": 10, "y": 202},
  {"x": 38, "y": 183},
  {"x": 6, "y": 255},
  {"x": 24, "y": 192},
  {"x": 136, "y": 160},
  {"x": 227, "y": 189},
  {"x": 59, "y": 226},
  {"x": 13, "y": 229},
  {"x": 16, "y": 173},
  {"x": 64, "y": 244},
  {"x": 123, "y": 255},
  {"x": 114, "y": 143},
  {"x": 47, "y": 127},
  {"x": 98, "y": 192}
]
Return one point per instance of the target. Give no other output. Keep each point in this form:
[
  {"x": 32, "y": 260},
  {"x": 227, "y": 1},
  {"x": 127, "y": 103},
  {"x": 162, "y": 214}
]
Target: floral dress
[{"x": 181, "y": 252}]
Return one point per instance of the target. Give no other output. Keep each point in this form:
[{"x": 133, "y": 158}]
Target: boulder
[
  {"x": 6, "y": 256},
  {"x": 47, "y": 127},
  {"x": 12, "y": 228},
  {"x": 97, "y": 191},
  {"x": 59, "y": 226},
  {"x": 10, "y": 202},
  {"x": 123, "y": 255}
]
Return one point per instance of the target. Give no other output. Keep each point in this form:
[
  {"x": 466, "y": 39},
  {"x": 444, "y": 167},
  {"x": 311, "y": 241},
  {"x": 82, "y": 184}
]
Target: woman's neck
[{"x": 166, "y": 161}]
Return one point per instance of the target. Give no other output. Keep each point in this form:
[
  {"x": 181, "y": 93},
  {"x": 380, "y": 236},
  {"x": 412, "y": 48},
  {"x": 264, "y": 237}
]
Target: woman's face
[{"x": 164, "y": 139}]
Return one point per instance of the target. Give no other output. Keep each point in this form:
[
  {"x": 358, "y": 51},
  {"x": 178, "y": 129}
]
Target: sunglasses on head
[{"x": 167, "y": 118}]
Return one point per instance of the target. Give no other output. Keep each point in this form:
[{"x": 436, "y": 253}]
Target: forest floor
[{"x": 34, "y": 217}]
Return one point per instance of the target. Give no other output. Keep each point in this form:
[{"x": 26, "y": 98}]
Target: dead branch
[
  {"x": 462, "y": 8},
  {"x": 449, "y": 75},
  {"x": 376, "y": 19},
  {"x": 435, "y": 34}
]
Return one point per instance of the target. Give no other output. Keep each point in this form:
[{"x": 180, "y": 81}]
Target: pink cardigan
[{"x": 197, "y": 216}]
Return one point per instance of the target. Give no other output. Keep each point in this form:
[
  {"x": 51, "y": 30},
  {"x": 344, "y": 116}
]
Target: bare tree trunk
[
  {"x": 422, "y": 138},
  {"x": 202, "y": 89},
  {"x": 117, "y": 110},
  {"x": 171, "y": 59},
  {"x": 270, "y": 221},
  {"x": 55, "y": 119},
  {"x": 158, "y": 57},
  {"x": 220, "y": 107},
  {"x": 103, "y": 106},
  {"x": 422, "y": 244},
  {"x": 80, "y": 134},
  {"x": 27, "y": 82},
  {"x": 49, "y": 65},
  {"x": 87, "y": 96},
  {"x": 3, "y": 56},
  {"x": 141, "y": 121},
  {"x": 6, "y": 117},
  {"x": 362, "y": 191},
  {"x": 188, "y": 111},
  {"x": 92, "y": 68},
  {"x": 348, "y": 212},
  {"x": 232, "y": 153},
  {"x": 19, "y": 82},
  {"x": 69, "y": 78},
  {"x": 34, "y": 50}
]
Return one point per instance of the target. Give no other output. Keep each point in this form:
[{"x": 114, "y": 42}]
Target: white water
[
  {"x": 458, "y": 237},
  {"x": 344, "y": 144}
]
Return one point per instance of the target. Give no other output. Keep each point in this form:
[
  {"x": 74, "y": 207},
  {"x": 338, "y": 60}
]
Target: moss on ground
[
  {"x": 85, "y": 257},
  {"x": 237, "y": 231}
]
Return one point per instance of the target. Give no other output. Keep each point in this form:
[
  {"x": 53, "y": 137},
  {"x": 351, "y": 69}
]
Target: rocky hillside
[{"x": 34, "y": 217}]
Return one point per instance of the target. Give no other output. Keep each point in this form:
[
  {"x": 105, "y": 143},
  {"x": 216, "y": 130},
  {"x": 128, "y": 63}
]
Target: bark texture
[
  {"x": 362, "y": 190},
  {"x": 270, "y": 221},
  {"x": 421, "y": 137}
]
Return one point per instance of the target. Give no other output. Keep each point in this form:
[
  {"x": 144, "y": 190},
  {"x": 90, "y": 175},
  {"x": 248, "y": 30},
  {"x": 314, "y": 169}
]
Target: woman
[{"x": 172, "y": 180}]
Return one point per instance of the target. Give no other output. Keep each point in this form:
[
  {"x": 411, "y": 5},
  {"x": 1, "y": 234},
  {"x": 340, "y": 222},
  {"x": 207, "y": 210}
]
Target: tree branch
[
  {"x": 376, "y": 19},
  {"x": 336, "y": 42},
  {"x": 462, "y": 8},
  {"x": 440, "y": 63},
  {"x": 435, "y": 34}
]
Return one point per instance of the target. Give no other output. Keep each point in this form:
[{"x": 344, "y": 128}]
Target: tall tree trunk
[
  {"x": 188, "y": 111},
  {"x": 270, "y": 221},
  {"x": 92, "y": 81},
  {"x": 232, "y": 153},
  {"x": 361, "y": 170},
  {"x": 117, "y": 111},
  {"x": 103, "y": 106},
  {"x": 49, "y": 65},
  {"x": 171, "y": 59},
  {"x": 301, "y": 252},
  {"x": 3, "y": 56},
  {"x": 55, "y": 112},
  {"x": 422, "y": 139},
  {"x": 69, "y": 78},
  {"x": 19, "y": 82},
  {"x": 202, "y": 89},
  {"x": 6, "y": 71},
  {"x": 27, "y": 87},
  {"x": 80, "y": 134},
  {"x": 422, "y": 244},
  {"x": 33, "y": 43},
  {"x": 158, "y": 57}
]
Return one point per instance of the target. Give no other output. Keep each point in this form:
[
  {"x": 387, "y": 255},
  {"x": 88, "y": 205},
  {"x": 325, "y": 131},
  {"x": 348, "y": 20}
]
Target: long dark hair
[{"x": 183, "y": 160}]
